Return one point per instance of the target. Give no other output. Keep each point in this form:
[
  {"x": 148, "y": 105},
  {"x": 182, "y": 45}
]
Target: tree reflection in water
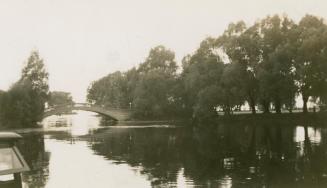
[
  {"x": 225, "y": 155},
  {"x": 250, "y": 155},
  {"x": 33, "y": 150}
]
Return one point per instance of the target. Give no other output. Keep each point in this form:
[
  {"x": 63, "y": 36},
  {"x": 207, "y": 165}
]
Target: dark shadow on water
[
  {"x": 33, "y": 149},
  {"x": 251, "y": 155}
]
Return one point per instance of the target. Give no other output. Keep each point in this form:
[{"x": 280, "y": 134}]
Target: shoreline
[
  {"x": 319, "y": 118},
  {"x": 281, "y": 119}
]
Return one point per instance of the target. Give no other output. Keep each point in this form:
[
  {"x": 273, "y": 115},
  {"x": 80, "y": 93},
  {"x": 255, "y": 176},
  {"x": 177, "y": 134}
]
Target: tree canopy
[
  {"x": 57, "y": 98},
  {"x": 264, "y": 66},
  {"x": 23, "y": 104}
]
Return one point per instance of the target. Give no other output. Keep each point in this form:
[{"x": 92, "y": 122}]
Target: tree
[
  {"x": 201, "y": 77},
  {"x": 147, "y": 89},
  {"x": 270, "y": 62},
  {"x": 231, "y": 92},
  {"x": 35, "y": 72},
  {"x": 153, "y": 93},
  {"x": 2, "y": 101},
  {"x": 207, "y": 102},
  {"x": 57, "y": 98},
  {"x": 310, "y": 62},
  {"x": 159, "y": 58},
  {"x": 18, "y": 106},
  {"x": 23, "y": 104},
  {"x": 132, "y": 78},
  {"x": 110, "y": 91},
  {"x": 243, "y": 48},
  {"x": 276, "y": 77}
]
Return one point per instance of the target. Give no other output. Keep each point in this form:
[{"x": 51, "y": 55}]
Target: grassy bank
[
  {"x": 271, "y": 119},
  {"x": 312, "y": 119}
]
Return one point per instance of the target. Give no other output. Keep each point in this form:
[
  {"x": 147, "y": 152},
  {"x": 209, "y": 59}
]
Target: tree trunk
[
  {"x": 305, "y": 101},
  {"x": 253, "y": 109},
  {"x": 252, "y": 105},
  {"x": 290, "y": 106},
  {"x": 278, "y": 106},
  {"x": 265, "y": 105},
  {"x": 227, "y": 111}
]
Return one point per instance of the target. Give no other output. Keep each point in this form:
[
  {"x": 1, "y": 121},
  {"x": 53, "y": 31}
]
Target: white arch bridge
[{"x": 116, "y": 114}]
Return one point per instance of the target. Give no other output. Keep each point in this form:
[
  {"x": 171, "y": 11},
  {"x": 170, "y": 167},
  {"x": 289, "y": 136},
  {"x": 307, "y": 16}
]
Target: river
[{"x": 83, "y": 151}]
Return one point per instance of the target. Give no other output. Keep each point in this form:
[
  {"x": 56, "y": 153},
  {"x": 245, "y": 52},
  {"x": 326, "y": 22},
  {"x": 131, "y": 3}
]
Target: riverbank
[
  {"x": 240, "y": 118},
  {"x": 319, "y": 118},
  {"x": 243, "y": 118}
]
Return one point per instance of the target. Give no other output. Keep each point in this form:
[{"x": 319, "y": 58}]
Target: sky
[{"x": 84, "y": 40}]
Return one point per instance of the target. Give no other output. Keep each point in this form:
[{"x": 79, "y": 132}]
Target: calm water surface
[{"x": 80, "y": 151}]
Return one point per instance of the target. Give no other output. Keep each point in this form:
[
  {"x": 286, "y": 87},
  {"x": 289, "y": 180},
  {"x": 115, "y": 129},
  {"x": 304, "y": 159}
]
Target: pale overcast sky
[{"x": 83, "y": 40}]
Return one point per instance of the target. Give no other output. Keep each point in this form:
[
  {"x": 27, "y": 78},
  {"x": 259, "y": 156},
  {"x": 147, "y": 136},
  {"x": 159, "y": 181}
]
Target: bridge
[{"x": 114, "y": 113}]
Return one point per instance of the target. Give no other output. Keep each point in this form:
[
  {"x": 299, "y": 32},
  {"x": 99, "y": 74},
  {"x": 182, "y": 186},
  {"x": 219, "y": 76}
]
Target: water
[{"x": 79, "y": 151}]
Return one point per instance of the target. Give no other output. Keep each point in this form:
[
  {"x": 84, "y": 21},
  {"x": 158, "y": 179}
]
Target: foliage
[
  {"x": 57, "y": 98},
  {"x": 153, "y": 92},
  {"x": 267, "y": 64},
  {"x": 109, "y": 91},
  {"x": 201, "y": 70},
  {"x": 243, "y": 48},
  {"x": 23, "y": 104},
  {"x": 276, "y": 80},
  {"x": 311, "y": 58},
  {"x": 147, "y": 89}
]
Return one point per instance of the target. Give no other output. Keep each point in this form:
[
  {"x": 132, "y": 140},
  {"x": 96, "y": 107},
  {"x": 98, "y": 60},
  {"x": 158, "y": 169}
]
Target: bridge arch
[{"x": 113, "y": 113}]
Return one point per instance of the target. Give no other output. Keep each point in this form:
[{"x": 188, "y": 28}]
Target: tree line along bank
[{"x": 269, "y": 63}]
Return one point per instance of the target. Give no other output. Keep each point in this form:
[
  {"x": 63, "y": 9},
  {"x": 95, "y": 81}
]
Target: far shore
[
  {"x": 312, "y": 118},
  {"x": 297, "y": 118}
]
